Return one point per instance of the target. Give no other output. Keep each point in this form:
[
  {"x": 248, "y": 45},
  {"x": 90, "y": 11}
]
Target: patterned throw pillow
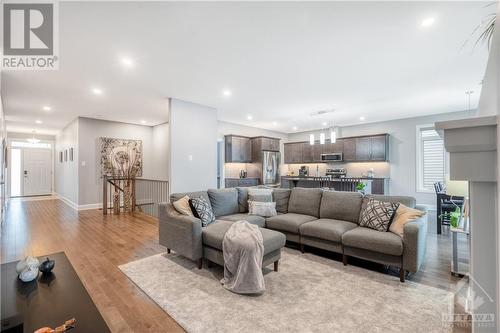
[
  {"x": 203, "y": 210},
  {"x": 377, "y": 215}
]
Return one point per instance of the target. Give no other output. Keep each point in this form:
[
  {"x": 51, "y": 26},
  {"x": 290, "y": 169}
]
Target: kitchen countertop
[
  {"x": 313, "y": 178},
  {"x": 242, "y": 178}
]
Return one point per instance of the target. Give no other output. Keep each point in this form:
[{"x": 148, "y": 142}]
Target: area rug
[{"x": 308, "y": 294}]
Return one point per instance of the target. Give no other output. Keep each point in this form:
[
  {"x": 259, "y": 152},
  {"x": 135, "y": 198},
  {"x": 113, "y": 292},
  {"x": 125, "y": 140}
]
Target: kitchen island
[{"x": 373, "y": 185}]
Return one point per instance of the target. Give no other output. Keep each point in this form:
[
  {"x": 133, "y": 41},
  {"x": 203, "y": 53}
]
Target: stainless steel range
[{"x": 336, "y": 173}]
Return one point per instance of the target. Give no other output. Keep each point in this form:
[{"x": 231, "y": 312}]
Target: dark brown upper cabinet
[
  {"x": 262, "y": 143},
  {"x": 363, "y": 149},
  {"x": 307, "y": 153},
  {"x": 238, "y": 149},
  {"x": 372, "y": 148},
  {"x": 349, "y": 149},
  {"x": 355, "y": 149},
  {"x": 293, "y": 152},
  {"x": 379, "y": 148}
]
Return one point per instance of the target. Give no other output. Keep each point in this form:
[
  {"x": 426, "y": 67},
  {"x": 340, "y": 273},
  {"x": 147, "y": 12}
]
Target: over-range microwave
[{"x": 332, "y": 157}]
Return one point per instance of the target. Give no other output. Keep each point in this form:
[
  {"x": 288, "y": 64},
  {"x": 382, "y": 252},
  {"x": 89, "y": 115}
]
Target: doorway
[{"x": 30, "y": 169}]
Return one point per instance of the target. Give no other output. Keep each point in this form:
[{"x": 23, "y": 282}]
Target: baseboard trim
[
  {"x": 76, "y": 206},
  {"x": 66, "y": 201},
  {"x": 90, "y": 206}
]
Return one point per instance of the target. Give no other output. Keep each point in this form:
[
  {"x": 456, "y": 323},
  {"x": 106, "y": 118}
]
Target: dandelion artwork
[{"x": 121, "y": 157}]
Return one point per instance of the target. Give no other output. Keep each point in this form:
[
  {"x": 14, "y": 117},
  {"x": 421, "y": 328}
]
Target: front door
[{"x": 37, "y": 171}]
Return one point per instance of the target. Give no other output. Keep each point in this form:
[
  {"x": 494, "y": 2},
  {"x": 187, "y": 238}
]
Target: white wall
[
  {"x": 160, "y": 162},
  {"x": 231, "y": 170},
  {"x": 402, "y": 149},
  {"x": 193, "y": 146},
  {"x": 89, "y": 132},
  {"x": 66, "y": 173}
]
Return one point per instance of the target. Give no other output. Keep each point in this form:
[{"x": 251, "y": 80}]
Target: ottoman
[{"x": 213, "y": 234}]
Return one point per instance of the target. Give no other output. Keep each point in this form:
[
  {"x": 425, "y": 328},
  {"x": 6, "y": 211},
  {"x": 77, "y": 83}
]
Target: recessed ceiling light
[
  {"x": 38, "y": 121},
  {"x": 143, "y": 121},
  {"x": 127, "y": 62},
  {"x": 295, "y": 128},
  {"x": 275, "y": 123},
  {"x": 324, "y": 123},
  {"x": 427, "y": 22},
  {"x": 226, "y": 92},
  {"x": 46, "y": 108},
  {"x": 362, "y": 118},
  {"x": 249, "y": 117},
  {"x": 97, "y": 91}
]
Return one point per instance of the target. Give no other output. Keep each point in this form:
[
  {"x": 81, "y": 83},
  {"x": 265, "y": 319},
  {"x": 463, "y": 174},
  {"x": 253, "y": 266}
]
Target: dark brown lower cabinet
[
  {"x": 241, "y": 182},
  {"x": 380, "y": 186}
]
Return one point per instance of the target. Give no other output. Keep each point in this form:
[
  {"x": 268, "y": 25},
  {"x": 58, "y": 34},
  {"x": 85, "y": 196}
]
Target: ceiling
[{"x": 281, "y": 62}]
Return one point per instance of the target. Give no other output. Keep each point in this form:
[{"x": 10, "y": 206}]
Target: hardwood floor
[{"x": 97, "y": 245}]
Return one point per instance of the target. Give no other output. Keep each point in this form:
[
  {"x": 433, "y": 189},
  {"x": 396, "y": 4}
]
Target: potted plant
[{"x": 360, "y": 187}]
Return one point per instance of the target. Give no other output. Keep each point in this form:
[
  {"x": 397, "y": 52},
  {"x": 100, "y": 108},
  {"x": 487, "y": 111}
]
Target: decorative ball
[
  {"x": 29, "y": 274},
  {"x": 27, "y": 262},
  {"x": 47, "y": 266}
]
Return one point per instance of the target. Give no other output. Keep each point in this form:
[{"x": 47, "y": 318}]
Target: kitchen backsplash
[{"x": 380, "y": 169}]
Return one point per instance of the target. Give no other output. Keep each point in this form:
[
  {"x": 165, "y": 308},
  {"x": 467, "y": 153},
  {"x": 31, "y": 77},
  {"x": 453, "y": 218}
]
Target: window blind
[{"x": 433, "y": 158}]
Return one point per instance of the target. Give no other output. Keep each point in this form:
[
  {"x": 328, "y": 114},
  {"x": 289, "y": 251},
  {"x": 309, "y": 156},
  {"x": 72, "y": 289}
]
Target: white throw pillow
[{"x": 265, "y": 209}]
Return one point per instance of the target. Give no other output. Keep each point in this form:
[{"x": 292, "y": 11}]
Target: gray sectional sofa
[{"x": 314, "y": 217}]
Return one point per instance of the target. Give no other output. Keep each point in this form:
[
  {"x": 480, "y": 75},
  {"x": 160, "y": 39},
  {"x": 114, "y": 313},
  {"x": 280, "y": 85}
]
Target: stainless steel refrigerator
[{"x": 270, "y": 173}]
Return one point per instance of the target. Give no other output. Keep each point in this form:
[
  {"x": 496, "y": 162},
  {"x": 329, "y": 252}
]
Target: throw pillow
[
  {"x": 182, "y": 206},
  {"x": 377, "y": 215},
  {"x": 204, "y": 210},
  {"x": 265, "y": 209},
  {"x": 260, "y": 194},
  {"x": 404, "y": 215}
]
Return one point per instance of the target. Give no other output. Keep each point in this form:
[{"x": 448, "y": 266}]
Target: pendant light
[
  {"x": 311, "y": 139},
  {"x": 333, "y": 135},
  {"x": 33, "y": 140}
]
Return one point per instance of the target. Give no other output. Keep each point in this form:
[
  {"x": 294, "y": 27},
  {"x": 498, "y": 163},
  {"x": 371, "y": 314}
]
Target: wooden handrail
[{"x": 149, "y": 192}]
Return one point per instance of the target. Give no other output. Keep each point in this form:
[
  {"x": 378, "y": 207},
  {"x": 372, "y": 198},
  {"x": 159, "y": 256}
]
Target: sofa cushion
[
  {"x": 260, "y": 194},
  {"x": 327, "y": 229},
  {"x": 253, "y": 219},
  {"x": 224, "y": 201},
  {"x": 405, "y": 200},
  {"x": 341, "y": 205},
  {"x": 243, "y": 199},
  {"x": 281, "y": 197},
  {"x": 305, "y": 201},
  {"x": 213, "y": 236},
  {"x": 289, "y": 222},
  {"x": 191, "y": 195},
  {"x": 373, "y": 240}
]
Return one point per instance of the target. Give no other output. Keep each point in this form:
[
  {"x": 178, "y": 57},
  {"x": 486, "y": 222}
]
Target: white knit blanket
[{"x": 243, "y": 249}]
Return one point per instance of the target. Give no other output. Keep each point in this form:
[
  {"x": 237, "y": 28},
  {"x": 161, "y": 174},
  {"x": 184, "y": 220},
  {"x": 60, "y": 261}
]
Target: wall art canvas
[{"x": 121, "y": 157}]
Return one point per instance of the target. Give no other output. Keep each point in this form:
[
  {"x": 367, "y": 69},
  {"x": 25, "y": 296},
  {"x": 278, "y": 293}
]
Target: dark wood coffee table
[{"x": 49, "y": 300}]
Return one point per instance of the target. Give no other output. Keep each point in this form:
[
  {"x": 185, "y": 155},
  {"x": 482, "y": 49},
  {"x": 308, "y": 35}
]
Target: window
[
  {"x": 23, "y": 144},
  {"x": 430, "y": 158}
]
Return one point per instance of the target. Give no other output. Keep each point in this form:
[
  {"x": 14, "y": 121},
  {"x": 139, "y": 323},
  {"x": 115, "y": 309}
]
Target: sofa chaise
[{"x": 323, "y": 219}]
